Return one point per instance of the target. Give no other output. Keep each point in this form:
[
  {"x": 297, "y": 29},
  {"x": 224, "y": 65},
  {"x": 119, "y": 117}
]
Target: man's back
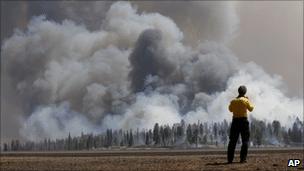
[{"x": 239, "y": 107}]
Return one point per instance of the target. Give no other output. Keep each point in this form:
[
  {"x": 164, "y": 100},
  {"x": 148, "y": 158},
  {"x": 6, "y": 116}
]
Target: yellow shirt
[{"x": 239, "y": 107}]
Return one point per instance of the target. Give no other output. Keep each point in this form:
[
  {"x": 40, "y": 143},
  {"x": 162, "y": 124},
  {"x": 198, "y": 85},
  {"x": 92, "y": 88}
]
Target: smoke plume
[{"x": 134, "y": 71}]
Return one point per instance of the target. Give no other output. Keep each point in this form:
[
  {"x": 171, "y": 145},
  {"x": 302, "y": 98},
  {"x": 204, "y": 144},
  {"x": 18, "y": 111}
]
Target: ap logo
[{"x": 294, "y": 162}]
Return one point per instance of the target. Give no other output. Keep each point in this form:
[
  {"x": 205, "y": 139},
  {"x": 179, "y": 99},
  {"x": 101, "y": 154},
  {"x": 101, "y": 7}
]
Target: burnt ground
[{"x": 151, "y": 160}]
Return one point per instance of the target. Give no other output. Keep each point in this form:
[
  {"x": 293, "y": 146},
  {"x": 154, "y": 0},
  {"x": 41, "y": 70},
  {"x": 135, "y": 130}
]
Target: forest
[{"x": 178, "y": 135}]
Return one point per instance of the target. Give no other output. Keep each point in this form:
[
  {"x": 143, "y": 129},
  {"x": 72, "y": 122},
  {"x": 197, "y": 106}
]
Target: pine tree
[
  {"x": 131, "y": 140},
  {"x": 5, "y": 147},
  {"x": 147, "y": 138},
  {"x": 276, "y": 129},
  {"x": 189, "y": 134},
  {"x": 69, "y": 141},
  {"x": 156, "y": 137}
]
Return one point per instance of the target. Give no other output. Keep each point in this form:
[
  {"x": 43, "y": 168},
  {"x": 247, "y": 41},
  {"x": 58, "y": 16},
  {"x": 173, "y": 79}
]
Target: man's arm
[
  {"x": 230, "y": 107},
  {"x": 249, "y": 106}
]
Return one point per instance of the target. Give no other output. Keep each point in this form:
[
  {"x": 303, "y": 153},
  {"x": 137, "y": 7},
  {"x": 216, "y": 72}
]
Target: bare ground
[{"x": 150, "y": 160}]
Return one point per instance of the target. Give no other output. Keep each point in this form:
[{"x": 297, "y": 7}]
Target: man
[{"x": 240, "y": 124}]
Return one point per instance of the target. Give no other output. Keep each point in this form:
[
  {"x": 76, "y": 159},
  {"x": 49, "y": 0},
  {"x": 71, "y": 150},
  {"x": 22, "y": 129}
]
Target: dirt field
[{"x": 151, "y": 160}]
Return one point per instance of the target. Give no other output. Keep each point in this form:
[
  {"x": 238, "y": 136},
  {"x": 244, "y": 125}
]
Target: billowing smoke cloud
[
  {"x": 131, "y": 73},
  {"x": 148, "y": 59}
]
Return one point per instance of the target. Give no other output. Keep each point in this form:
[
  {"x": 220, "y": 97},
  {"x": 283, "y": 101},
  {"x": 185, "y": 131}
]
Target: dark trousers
[{"x": 238, "y": 126}]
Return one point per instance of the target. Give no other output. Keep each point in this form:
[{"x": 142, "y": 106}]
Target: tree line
[{"x": 179, "y": 135}]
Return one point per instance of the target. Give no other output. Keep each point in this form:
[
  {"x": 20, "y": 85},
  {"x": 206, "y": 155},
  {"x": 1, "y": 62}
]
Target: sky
[{"x": 269, "y": 34}]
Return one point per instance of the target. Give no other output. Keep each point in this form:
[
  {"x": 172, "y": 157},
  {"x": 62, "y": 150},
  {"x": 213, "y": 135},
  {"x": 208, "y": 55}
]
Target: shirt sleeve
[
  {"x": 250, "y": 106},
  {"x": 230, "y": 107}
]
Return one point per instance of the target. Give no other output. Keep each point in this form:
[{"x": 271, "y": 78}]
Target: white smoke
[
  {"x": 55, "y": 121},
  {"x": 131, "y": 73}
]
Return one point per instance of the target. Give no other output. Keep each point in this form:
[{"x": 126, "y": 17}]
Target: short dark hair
[{"x": 242, "y": 90}]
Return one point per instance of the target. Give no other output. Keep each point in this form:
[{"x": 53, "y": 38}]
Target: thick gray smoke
[
  {"x": 131, "y": 73},
  {"x": 148, "y": 59}
]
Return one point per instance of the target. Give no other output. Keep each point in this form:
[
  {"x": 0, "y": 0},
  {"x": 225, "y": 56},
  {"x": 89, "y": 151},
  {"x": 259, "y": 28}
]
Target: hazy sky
[{"x": 271, "y": 34}]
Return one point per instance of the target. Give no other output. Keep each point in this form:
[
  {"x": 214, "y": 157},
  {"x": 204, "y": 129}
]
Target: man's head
[{"x": 242, "y": 90}]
